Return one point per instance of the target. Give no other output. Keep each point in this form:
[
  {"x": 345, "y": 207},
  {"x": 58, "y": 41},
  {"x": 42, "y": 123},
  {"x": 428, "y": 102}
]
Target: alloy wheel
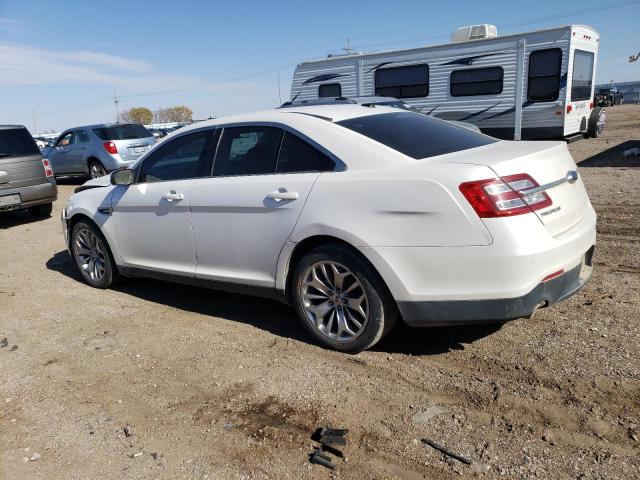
[
  {"x": 90, "y": 254},
  {"x": 334, "y": 301}
]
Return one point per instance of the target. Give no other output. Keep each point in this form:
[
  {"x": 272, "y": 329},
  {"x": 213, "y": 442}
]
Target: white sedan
[{"x": 356, "y": 215}]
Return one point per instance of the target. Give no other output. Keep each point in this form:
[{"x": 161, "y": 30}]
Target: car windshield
[
  {"x": 416, "y": 135},
  {"x": 17, "y": 141},
  {"x": 122, "y": 132}
]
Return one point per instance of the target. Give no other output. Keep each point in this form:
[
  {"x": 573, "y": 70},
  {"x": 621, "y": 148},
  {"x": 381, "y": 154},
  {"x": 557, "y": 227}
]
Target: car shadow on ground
[
  {"x": 18, "y": 217},
  {"x": 275, "y": 317},
  {"x": 613, "y": 157},
  {"x": 72, "y": 180}
]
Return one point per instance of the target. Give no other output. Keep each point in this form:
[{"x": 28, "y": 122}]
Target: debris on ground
[
  {"x": 4, "y": 342},
  {"x": 320, "y": 458},
  {"x": 13, "y": 348},
  {"x": 429, "y": 413},
  {"x": 35, "y": 456},
  {"x": 228, "y": 426},
  {"x": 136, "y": 455},
  {"x": 328, "y": 438},
  {"x": 127, "y": 431},
  {"x": 446, "y": 451}
]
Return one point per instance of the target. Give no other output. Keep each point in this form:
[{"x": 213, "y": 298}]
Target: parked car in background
[
  {"x": 357, "y": 216},
  {"x": 26, "y": 178},
  {"x": 371, "y": 102},
  {"x": 159, "y": 132},
  {"x": 96, "y": 150}
]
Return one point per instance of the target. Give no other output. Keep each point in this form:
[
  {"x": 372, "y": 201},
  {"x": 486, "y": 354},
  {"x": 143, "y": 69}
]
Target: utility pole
[
  {"x": 115, "y": 102},
  {"x": 279, "y": 96},
  {"x": 348, "y": 49}
]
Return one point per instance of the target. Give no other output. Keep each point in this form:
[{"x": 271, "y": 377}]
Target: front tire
[
  {"x": 92, "y": 256},
  {"x": 41, "y": 211},
  {"x": 341, "y": 300}
]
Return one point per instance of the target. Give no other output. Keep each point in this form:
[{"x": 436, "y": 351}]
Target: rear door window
[
  {"x": 415, "y": 134},
  {"x": 582, "y": 75},
  {"x": 185, "y": 157},
  {"x": 82, "y": 136},
  {"x": 296, "y": 155},
  {"x": 122, "y": 132},
  {"x": 247, "y": 151},
  {"x": 17, "y": 142}
]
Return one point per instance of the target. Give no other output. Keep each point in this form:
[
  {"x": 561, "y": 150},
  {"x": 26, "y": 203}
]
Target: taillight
[
  {"x": 110, "y": 147},
  {"x": 569, "y": 108},
  {"x": 591, "y": 104},
  {"x": 48, "y": 171},
  {"x": 503, "y": 197}
]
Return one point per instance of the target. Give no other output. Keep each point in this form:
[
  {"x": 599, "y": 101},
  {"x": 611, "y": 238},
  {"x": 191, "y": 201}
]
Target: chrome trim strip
[{"x": 571, "y": 177}]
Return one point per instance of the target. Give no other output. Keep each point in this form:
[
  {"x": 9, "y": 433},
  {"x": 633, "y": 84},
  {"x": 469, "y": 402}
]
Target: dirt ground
[{"x": 204, "y": 384}]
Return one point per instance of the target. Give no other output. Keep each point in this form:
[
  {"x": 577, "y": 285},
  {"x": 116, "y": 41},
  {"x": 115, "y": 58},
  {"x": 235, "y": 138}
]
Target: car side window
[
  {"x": 296, "y": 155},
  {"x": 185, "y": 157},
  {"x": 65, "y": 140},
  {"x": 247, "y": 151},
  {"x": 81, "y": 137}
]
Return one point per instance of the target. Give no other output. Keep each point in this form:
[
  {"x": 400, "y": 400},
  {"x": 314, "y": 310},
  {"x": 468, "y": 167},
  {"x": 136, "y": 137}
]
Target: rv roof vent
[{"x": 474, "y": 32}]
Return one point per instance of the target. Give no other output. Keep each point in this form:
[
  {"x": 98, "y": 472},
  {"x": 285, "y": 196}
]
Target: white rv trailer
[{"x": 533, "y": 85}]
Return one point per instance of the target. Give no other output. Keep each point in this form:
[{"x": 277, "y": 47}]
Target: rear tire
[
  {"x": 92, "y": 256},
  {"x": 96, "y": 169},
  {"x": 41, "y": 211},
  {"x": 341, "y": 300},
  {"x": 597, "y": 119}
]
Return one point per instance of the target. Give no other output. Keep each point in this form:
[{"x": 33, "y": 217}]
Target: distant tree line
[{"x": 143, "y": 115}]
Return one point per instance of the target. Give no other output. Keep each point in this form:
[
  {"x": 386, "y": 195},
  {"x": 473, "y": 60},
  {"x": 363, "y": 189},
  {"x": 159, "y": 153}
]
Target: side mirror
[{"x": 123, "y": 176}]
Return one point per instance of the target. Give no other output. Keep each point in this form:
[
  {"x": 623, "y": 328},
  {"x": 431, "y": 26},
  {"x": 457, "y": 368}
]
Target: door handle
[
  {"x": 172, "y": 195},
  {"x": 283, "y": 195}
]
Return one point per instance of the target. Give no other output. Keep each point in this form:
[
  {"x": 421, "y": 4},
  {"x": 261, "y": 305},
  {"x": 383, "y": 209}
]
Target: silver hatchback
[{"x": 96, "y": 150}]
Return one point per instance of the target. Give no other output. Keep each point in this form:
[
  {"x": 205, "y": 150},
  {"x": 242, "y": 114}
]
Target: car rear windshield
[
  {"x": 122, "y": 132},
  {"x": 16, "y": 142},
  {"x": 416, "y": 134}
]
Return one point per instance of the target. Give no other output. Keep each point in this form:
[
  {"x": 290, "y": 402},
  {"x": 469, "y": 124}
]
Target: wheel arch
[
  {"x": 81, "y": 216},
  {"x": 93, "y": 158},
  {"x": 310, "y": 243}
]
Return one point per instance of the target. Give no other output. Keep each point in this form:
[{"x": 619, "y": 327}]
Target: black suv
[{"x": 26, "y": 178}]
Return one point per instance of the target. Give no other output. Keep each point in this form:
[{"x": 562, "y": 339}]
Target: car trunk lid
[
  {"x": 550, "y": 164},
  {"x": 132, "y": 149}
]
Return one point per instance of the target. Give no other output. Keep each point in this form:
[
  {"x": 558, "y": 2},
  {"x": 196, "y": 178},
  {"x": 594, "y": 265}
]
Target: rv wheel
[{"x": 595, "y": 127}]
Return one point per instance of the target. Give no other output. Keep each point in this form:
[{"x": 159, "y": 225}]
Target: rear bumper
[
  {"x": 461, "y": 312},
  {"x": 32, "y": 195}
]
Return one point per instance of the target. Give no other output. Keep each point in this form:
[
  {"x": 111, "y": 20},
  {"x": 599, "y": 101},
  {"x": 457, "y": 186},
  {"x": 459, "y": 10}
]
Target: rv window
[
  {"x": 582, "y": 75},
  {"x": 416, "y": 135},
  {"x": 476, "y": 81},
  {"x": 544, "y": 75},
  {"x": 330, "y": 90},
  {"x": 403, "y": 82}
]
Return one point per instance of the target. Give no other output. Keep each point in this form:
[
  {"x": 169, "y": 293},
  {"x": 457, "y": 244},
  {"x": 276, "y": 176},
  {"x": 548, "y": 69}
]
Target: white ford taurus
[{"x": 358, "y": 216}]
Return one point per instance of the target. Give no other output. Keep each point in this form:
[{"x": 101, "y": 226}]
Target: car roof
[
  {"x": 331, "y": 113},
  {"x": 11, "y": 127}
]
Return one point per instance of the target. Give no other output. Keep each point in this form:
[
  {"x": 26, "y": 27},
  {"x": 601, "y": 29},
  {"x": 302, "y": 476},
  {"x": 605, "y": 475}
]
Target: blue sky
[{"x": 63, "y": 60}]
